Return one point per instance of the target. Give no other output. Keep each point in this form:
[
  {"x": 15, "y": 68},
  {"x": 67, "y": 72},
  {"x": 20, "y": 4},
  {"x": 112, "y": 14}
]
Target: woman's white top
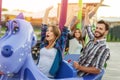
[
  {"x": 46, "y": 60},
  {"x": 74, "y": 46}
]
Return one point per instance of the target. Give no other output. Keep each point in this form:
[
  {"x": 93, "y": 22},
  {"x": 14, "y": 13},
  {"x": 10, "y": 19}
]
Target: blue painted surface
[
  {"x": 66, "y": 71},
  {"x": 70, "y": 58}
]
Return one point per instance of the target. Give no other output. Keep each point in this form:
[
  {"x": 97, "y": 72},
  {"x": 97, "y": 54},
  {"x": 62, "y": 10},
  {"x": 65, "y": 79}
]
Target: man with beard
[{"x": 95, "y": 53}]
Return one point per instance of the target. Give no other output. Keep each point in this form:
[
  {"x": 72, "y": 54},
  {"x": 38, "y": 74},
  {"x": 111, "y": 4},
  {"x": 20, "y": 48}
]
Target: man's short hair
[{"x": 105, "y": 23}]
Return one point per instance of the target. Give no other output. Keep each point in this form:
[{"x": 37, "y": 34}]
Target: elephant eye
[{"x": 15, "y": 27}]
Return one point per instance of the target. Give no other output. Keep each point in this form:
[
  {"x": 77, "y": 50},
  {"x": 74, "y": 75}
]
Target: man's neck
[{"x": 96, "y": 39}]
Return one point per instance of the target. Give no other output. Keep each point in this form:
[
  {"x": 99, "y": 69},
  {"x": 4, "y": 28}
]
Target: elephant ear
[{"x": 20, "y": 16}]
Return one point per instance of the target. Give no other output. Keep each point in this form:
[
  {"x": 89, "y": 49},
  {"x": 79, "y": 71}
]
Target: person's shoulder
[{"x": 107, "y": 47}]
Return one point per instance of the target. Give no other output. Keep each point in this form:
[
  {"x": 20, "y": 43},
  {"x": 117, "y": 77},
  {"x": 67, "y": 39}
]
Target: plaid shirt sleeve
[
  {"x": 43, "y": 35},
  {"x": 90, "y": 33},
  {"x": 61, "y": 42}
]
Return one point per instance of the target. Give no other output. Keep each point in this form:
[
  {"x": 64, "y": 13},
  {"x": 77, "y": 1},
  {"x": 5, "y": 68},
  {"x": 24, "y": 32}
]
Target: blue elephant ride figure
[{"x": 16, "y": 62}]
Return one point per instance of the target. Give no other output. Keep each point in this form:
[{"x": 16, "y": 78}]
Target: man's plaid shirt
[{"x": 94, "y": 54}]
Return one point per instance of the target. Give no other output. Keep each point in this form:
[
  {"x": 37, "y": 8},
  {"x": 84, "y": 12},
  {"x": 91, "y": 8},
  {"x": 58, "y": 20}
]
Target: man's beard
[{"x": 100, "y": 35}]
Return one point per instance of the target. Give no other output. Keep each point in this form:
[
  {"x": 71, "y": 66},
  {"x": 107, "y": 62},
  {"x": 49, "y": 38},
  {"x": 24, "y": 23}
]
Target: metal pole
[{"x": 63, "y": 13}]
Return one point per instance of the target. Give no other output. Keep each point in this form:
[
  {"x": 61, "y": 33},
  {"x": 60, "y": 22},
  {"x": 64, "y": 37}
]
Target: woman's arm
[
  {"x": 44, "y": 26},
  {"x": 61, "y": 42},
  {"x": 74, "y": 25},
  {"x": 64, "y": 34}
]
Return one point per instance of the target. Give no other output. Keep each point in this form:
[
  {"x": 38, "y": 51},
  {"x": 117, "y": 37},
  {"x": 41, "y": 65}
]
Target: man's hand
[
  {"x": 1, "y": 73},
  {"x": 69, "y": 20},
  {"x": 46, "y": 15},
  {"x": 101, "y": 1},
  {"x": 76, "y": 65},
  {"x": 49, "y": 8},
  {"x": 87, "y": 20}
]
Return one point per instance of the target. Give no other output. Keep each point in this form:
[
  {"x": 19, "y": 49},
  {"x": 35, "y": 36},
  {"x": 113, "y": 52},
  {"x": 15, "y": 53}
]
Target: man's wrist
[{"x": 87, "y": 26}]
